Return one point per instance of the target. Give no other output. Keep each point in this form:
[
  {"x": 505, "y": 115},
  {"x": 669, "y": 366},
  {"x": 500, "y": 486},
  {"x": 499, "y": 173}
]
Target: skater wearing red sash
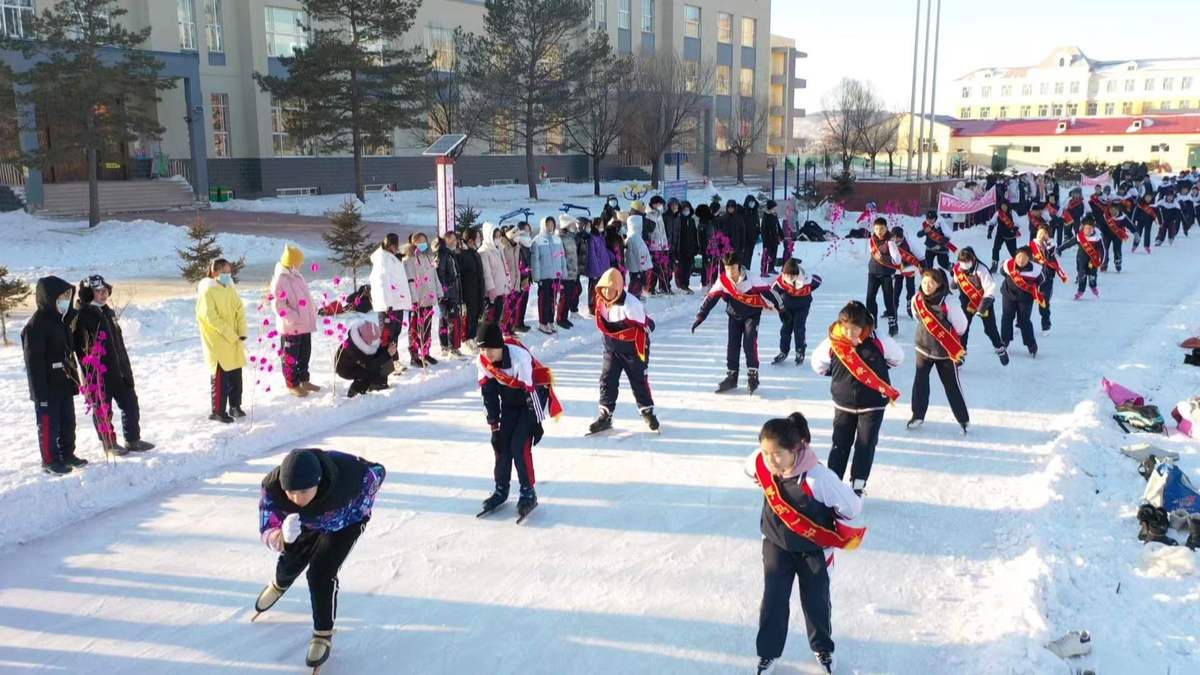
[
  {"x": 1113, "y": 230},
  {"x": 1144, "y": 218},
  {"x": 518, "y": 394},
  {"x": 885, "y": 261},
  {"x": 1022, "y": 289},
  {"x": 1045, "y": 253},
  {"x": 1007, "y": 233},
  {"x": 744, "y": 303},
  {"x": 1089, "y": 258},
  {"x": 804, "y": 506},
  {"x": 857, "y": 359},
  {"x": 1072, "y": 214},
  {"x": 910, "y": 265},
  {"x": 938, "y": 246},
  {"x": 940, "y": 326},
  {"x": 794, "y": 290},
  {"x": 977, "y": 295},
  {"x": 622, "y": 320}
]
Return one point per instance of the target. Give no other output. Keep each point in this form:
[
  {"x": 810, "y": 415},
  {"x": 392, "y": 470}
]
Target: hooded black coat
[
  {"x": 86, "y": 324},
  {"x": 49, "y": 351}
]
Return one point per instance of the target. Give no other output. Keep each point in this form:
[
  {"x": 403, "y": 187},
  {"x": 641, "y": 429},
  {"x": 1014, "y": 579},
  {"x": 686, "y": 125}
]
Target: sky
[{"x": 872, "y": 40}]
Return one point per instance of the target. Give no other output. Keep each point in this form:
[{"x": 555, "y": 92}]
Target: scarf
[
  {"x": 945, "y": 336},
  {"x": 542, "y": 377},
  {"x": 841, "y": 536},
  {"x": 1024, "y": 284},
  {"x": 878, "y": 255},
  {"x": 935, "y": 233},
  {"x": 973, "y": 291},
  {"x": 845, "y": 352},
  {"x": 1115, "y": 226},
  {"x": 1045, "y": 261},
  {"x": 1095, "y": 258},
  {"x": 632, "y": 332},
  {"x": 749, "y": 299}
]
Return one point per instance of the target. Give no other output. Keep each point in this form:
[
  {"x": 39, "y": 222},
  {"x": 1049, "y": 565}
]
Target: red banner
[
  {"x": 948, "y": 203},
  {"x": 1088, "y": 181}
]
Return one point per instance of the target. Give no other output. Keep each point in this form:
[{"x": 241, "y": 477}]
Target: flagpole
[
  {"x": 912, "y": 97},
  {"x": 924, "y": 85},
  {"x": 937, "y": 36}
]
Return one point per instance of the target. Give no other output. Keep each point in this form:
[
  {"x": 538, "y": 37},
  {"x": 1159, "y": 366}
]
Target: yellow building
[
  {"x": 1171, "y": 140},
  {"x": 1069, "y": 84}
]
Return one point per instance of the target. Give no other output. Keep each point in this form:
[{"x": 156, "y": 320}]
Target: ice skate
[
  {"x": 651, "y": 420},
  {"x": 1074, "y": 643},
  {"x": 800, "y": 351},
  {"x": 312, "y": 388},
  {"x": 545, "y": 328},
  {"x": 914, "y": 423},
  {"x": 1096, "y": 292},
  {"x": 603, "y": 423},
  {"x": 825, "y": 660},
  {"x": 1002, "y": 352},
  {"x": 526, "y": 504},
  {"x": 752, "y": 380},
  {"x": 1079, "y": 295},
  {"x": 319, "y": 648},
  {"x": 493, "y": 502},
  {"x": 730, "y": 382},
  {"x": 779, "y": 358},
  {"x": 267, "y": 599},
  {"x": 766, "y": 666}
]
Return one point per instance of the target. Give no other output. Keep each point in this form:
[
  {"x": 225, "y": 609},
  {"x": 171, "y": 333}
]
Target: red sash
[
  {"x": 973, "y": 292},
  {"x": 879, "y": 256},
  {"x": 1075, "y": 203},
  {"x": 802, "y": 292},
  {"x": 935, "y": 233},
  {"x": 634, "y": 332},
  {"x": 945, "y": 337},
  {"x": 909, "y": 258},
  {"x": 1114, "y": 226},
  {"x": 1040, "y": 256},
  {"x": 1007, "y": 221},
  {"x": 1089, "y": 247},
  {"x": 749, "y": 299},
  {"x": 841, "y": 536},
  {"x": 1150, "y": 211},
  {"x": 1096, "y": 203},
  {"x": 1036, "y": 223},
  {"x": 844, "y": 350},
  {"x": 1023, "y": 283},
  {"x": 1053, "y": 210},
  {"x": 542, "y": 376}
]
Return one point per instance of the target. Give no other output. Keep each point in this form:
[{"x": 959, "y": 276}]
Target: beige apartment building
[
  {"x": 221, "y": 119},
  {"x": 1069, "y": 84}
]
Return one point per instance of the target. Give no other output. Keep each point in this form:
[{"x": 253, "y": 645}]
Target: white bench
[
  {"x": 297, "y": 191},
  {"x": 377, "y": 187},
  {"x": 558, "y": 179},
  {"x": 504, "y": 181}
]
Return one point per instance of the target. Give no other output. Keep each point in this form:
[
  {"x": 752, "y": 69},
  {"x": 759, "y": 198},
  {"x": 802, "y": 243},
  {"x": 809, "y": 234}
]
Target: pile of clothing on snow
[{"x": 1170, "y": 502}]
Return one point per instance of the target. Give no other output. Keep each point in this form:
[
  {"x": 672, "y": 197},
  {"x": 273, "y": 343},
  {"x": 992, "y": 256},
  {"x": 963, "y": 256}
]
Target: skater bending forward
[
  {"x": 857, "y": 359},
  {"x": 313, "y": 508},
  {"x": 744, "y": 303},
  {"x": 622, "y": 320},
  {"x": 518, "y": 395},
  {"x": 804, "y": 506}
]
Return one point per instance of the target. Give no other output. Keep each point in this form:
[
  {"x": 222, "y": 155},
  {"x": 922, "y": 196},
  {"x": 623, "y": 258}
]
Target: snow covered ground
[{"x": 644, "y": 555}]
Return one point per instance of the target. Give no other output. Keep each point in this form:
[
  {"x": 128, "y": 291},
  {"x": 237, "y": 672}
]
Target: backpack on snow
[
  {"x": 811, "y": 231},
  {"x": 1133, "y": 417},
  {"x": 1169, "y": 488}
]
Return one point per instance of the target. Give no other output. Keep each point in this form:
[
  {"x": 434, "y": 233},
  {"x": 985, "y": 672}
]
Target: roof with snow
[
  {"x": 1076, "y": 58},
  {"x": 1080, "y": 126}
]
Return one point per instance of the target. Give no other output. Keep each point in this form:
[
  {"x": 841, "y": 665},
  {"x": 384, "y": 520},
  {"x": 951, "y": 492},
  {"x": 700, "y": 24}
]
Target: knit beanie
[
  {"x": 292, "y": 257},
  {"x": 492, "y": 337},
  {"x": 300, "y": 470}
]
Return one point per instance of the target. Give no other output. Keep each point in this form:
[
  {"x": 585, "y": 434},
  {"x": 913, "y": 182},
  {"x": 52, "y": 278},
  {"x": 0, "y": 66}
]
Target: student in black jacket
[
  {"x": 772, "y": 233},
  {"x": 687, "y": 246},
  {"x": 730, "y": 224},
  {"x": 622, "y": 320},
  {"x": 94, "y": 319},
  {"x": 360, "y": 360},
  {"x": 53, "y": 374},
  {"x": 450, "y": 305},
  {"x": 859, "y": 396},
  {"x": 940, "y": 325},
  {"x": 883, "y": 264},
  {"x": 744, "y": 303},
  {"x": 1020, "y": 292},
  {"x": 1144, "y": 218},
  {"x": 751, "y": 215},
  {"x": 794, "y": 290},
  {"x": 1007, "y": 233},
  {"x": 937, "y": 244},
  {"x": 470, "y": 278},
  {"x": 1089, "y": 257}
]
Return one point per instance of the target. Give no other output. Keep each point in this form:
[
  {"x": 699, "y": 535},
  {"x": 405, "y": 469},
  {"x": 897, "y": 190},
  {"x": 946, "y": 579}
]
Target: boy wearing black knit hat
[{"x": 312, "y": 509}]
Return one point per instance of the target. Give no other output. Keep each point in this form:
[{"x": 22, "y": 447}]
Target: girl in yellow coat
[{"x": 222, "y": 318}]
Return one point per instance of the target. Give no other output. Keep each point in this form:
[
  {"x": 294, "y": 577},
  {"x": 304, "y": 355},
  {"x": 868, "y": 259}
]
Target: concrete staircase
[{"x": 71, "y": 199}]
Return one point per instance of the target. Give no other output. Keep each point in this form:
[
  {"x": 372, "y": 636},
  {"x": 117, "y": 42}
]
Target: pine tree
[
  {"x": 12, "y": 293},
  {"x": 465, "y": 218},
  {"x": 347, "y": 238},
  {"x": 350, "y": 86},
  {"x": 92, "y": 81},
  {"x": 202, "y": 251}
]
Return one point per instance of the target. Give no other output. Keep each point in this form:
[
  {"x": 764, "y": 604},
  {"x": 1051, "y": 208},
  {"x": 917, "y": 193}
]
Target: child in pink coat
[{"x": 296, "y": 317}]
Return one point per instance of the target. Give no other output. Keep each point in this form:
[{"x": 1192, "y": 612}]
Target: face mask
[
  {"x": 623, "y": 231},
  {"x": 687, "y": 213},
  {"x": 225, "y": 279},
  {"x": 612, "y": 203},
  {"x": 422, "y": 247},
  {"x": 62, "y": 306},
  {"x": 524, "y": 240}
]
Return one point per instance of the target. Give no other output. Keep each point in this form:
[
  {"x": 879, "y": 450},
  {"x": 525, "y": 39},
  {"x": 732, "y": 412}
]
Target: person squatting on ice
[
  {"x": 940, "y": 323},
  {"x": 518, "y": 395},
  {"x": 804, "y": 509},
  {"x": 744, "y": 303},
  {"x": 363, "y": 360},
  {"x": 857, "y": 359},
  {"x": 222, "y": 318},
  {"x": 622, "y": 320},
  {"x": 296, "y": 316},
  {"x": 794, "y": 290},
  {"x": 96, "y": 332},
  {"x": 52, "y": 374},
  {"x": 312, "y": 509}
]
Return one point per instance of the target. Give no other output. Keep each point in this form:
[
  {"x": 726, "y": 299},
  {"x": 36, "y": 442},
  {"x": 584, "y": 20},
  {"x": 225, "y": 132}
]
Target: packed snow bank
[{"x": 35, "y": 247}]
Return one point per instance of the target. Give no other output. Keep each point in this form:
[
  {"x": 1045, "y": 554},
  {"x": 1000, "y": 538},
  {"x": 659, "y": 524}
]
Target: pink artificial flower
[
  {"x": 315, "y": 267},
  {"x": 283, "y": 312},
  {"x": 304, "y": 303},
  {"x": 337, "y": 281}
]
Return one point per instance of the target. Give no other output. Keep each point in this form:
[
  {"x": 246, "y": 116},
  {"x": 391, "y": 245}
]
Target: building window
[
  {"x": 1185, "y": 105},
  {"x": 985, "y": 92},
  {"x": 1006, "y": 90},
  {"x": 1027, "y": 90},
  {"x": 1127, "y": 108},
  {"x": 284, "y": 144},
  {"x": 966, "y": 92},
  {"x": 746, "y": 83},
  {"x": 777, "y": 95},
  {"x": 440, "y": 41},
  {"x": 1129, "y": 85},
  {"x": 1166, "y": 105},
  {"x": 1110, "y": 108},
  {"x": 1003, "y": 114},
  {"x": 1058, "y": 87},
  {"x": 749, "y": 31},
  {"x": 1168, "y": 83},
  {"x": 623, "y": 15},
  {"x": 985, "y": 112},
  {"x": 1072, "y": 109},
  {"x": 1074, "y": 87},
  {"x": 1026, "y": 110},
  {"x": 964, "y": 113},
  {"x": 600, "y": 10},
  {"x": 1044, "y": 88},
  {"x": 1072, "y": 148},
  {"x": 724, "y": 28},
  {"x": 722, "y": 134},
  {"x": 187, "y": 24},
  {"x": 1116, "y": 148},
  {"x": 1185, "y": 83},
  {"x": 1160, "y": 148},
  {"x": 691, "y": 73},
  {"x": 1110, "y": 86},
  {"x": 220, "y": 125},
  {"x": 1056, "y": 110},
  {"x": 724, "y": 81},
  {"x": 1149, "y": 84},
  {"x": 779, "y": 63},
  {"x": 1043, "y": 110},
  {"x": 1091, "y": 109},
  {"x": 381, "y": 148},
  {"x": 285, "y": 31},
  {"x": 691, "y": 21},
  {"x": 647, "y": 16},
  {"x": 13, "y": 17},
  {"x": 776, "y": 126},
  {"x": 215, "y": 28},
  {"x": 1031, "y": 148}
]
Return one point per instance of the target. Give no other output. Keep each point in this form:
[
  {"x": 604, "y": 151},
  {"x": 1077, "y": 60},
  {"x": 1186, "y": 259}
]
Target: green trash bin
[{"x": 214, "y": 194}]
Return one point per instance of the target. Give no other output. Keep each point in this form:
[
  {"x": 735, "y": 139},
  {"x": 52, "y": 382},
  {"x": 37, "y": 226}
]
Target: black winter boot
[
  {"x": 752, "y": 379},
  {"x": 1193, "y": 540},
  {"x": 602, "y": 423},
  {"x": 1154, "y": 524},
  {"x": 730, "y": 382},
  {"x": 496, "y": 499},
  {"x": 651, "y": 420},
  {"x": 526, "y": 502},
  {"x": 893, "y": 326}
]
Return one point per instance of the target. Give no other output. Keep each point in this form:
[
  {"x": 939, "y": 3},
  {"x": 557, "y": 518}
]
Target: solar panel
[{"x": 446, "y": 145}]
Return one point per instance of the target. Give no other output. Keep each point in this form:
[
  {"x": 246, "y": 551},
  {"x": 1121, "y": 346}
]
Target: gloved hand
[
  {"x": 291, "y": 528},
  {"x": 986, "y": 308},
  {"x": 538, "y": 432}
]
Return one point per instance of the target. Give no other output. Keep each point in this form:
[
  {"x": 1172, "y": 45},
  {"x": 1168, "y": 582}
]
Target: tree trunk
[
  {"x": 4, "y": 330},
  {"x": 596, "y": 174},
  {"x": 93, "y": 158},
  {"x": 741, "y": 167},
  {"x": 356, "y": 138},
  {"x": 655, "y": 173}
]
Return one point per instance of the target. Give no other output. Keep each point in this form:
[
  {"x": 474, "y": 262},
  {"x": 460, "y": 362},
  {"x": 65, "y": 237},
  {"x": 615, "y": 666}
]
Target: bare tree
[
  {"x": 671, "y": 91},
  {"x": 746, "y": 129},
  {"x": 890, "y": 147},
  {"x": 878, "y": 130},
  {"x": 604, "y": 118},
  {"x": 847, "y": 106},
  {"x": 451, "y": 104}
]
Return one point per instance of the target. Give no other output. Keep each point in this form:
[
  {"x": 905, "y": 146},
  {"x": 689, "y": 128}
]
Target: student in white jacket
[{"x": 389, "y": 290}]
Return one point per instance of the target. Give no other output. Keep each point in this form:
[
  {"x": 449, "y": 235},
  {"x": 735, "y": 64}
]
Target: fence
[
  {"x": 12, "y": 175},
  {"x": 180, "y": 167}
]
